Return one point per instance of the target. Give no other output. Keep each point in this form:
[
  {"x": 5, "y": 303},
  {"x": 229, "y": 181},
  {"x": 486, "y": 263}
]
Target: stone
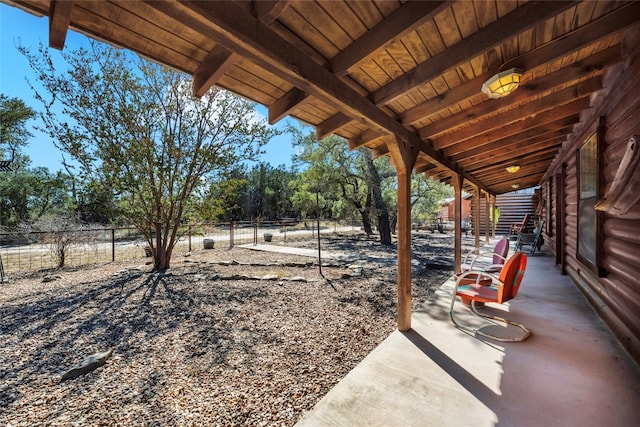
[
  {"x": 88, "y": 364},
  {"x": 51, "y": 278},
  {"x": 270, "y": 277}
]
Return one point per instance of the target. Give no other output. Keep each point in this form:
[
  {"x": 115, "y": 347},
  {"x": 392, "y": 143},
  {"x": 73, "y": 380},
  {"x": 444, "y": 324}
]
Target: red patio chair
[{"x": 479, "y": 286}]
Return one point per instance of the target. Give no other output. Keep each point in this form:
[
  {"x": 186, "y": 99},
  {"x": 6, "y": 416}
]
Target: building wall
[{"x": 614, "y": 291}]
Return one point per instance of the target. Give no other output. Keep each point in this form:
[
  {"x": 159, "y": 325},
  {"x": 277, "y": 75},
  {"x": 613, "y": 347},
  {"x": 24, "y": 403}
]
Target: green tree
[
  {"x": 269, "y": 191},
  {"x": 26, "y": 195},
  {"x": 14, "y": 114},
  {"x": 350, "y": 181},
  {"x": 133, "y": 125},
  {"x": 426, "y": 197}
]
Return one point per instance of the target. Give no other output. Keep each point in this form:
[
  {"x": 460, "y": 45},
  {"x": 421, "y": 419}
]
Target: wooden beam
[
  {"x": 289, "y": 102},
  {"x": 404, "y": 158},
  {"x": 364, "y": 138},
  {"x": 487, "y": 230},
  {"x": 212, "y": 68},
  {"x": 331, "y": 125},
  {"x": 379, "y": 151},
  {"x": 506, "y": 28},
  {"x": 476, "y": 217},
  {"x": 59, "y": 19},
  {"x": 553, "y": 102},
  {"x": 424, "y": 168},
  {"x": 470, "y": 89},
  {"x": 402, "y": 21},
  {"x": 269, "y": 11},
  {"x": 457, "y": 240}
]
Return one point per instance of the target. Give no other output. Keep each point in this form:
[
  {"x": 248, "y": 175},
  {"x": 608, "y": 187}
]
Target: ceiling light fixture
[
  {"x": 513, "y": 169},
  {"x": 502, "y": 84},
  {"x": 515, "y": 186}
]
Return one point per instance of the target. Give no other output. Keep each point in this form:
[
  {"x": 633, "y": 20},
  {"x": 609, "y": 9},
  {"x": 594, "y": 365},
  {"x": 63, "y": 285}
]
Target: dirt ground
[{"x": 207, "y": 342}]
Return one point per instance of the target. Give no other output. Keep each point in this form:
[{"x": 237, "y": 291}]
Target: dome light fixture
[
  {"x": 502, "y": 84},
  {"x": 513, "y": 168}
]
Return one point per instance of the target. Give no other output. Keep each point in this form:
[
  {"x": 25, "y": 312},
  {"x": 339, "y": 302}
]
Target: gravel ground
[{"x": 194, "y": 347}]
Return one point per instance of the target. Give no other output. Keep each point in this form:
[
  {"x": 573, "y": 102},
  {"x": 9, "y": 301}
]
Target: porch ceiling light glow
[
  {"x": 502, "y": 84},
  {"x": 515, "y": 186},
  {"x": 513, "y": 169}
]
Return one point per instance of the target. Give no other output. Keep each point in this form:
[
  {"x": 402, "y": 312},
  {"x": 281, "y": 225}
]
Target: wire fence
[{"x": 40, "y": 250}]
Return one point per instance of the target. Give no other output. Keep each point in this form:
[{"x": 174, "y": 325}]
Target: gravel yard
[{"x": 205, "y": 343}]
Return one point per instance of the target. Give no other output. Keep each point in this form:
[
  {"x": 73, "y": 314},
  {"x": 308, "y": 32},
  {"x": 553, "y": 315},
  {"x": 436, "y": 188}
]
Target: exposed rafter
[
  {"x": 268, "y": 11},
  {"x": 59, "y": 19},
  {"x": 400, "y": 22},
  {"x": 289, "y": 102},
  {"x": 214, "y": 66},
  {"x": 364, "y": 138},
  {"x": 331, "y": 125}
]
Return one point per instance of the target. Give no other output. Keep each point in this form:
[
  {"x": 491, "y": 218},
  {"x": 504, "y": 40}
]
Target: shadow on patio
[{"x": 570, "y": 372}]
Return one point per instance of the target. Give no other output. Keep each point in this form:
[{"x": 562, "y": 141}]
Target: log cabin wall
[
  {"x": 614, "y": 292},
  {"x": 513, "y": 208}
]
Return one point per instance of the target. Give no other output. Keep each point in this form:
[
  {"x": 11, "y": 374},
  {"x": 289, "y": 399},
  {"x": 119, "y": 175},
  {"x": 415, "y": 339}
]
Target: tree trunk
[
  {"x": 160, "y": 258},
  {"x": 374, "y": 188},
  {"x": 366, "y": 221}
]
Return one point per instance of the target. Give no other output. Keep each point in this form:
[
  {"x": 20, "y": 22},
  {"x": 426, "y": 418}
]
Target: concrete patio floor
[{"x": 570, "y": 372}]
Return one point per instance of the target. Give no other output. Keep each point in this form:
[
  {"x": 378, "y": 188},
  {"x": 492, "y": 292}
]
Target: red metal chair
[
  {"x": 476, "y": 259},
  {"x": 479, "y": 286}
]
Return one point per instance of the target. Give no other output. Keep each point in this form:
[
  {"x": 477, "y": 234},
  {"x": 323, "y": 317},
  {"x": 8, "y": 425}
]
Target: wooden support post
[
  {"x": 493, "y": 224},
  {"x": 487, "y": 234},
  {"x": 457, "y": 180},
  {"x": 476, "y": 216},
  {"x": 404, "y": 158}
]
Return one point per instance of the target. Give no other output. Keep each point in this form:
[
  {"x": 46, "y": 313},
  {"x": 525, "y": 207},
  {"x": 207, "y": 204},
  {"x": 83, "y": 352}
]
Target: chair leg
[
  {"x": 458, "y": 325},
  {"x": 526, "y": 332}
]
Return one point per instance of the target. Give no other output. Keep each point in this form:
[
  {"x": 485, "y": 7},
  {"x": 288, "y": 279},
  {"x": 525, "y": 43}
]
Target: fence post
[
  {"x": 189, "y": 232},
  {"x": 231, "y": 243},
  {"x": 113, "y": 244},
  {"x": 255, "y": 233}
]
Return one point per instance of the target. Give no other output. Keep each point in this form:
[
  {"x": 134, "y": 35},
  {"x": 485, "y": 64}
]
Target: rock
[
  {"x": 356, "y": 271},
  {"x": 51, "y": 278},
  {"x": 270, "y": 277},
  {"x": 297, "y": 279},
  {"x": 88, "y": 364}
]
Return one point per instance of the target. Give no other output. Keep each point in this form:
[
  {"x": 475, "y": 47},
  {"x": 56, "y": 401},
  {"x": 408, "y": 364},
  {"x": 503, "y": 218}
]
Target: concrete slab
[{"x": 570, "y": 372}]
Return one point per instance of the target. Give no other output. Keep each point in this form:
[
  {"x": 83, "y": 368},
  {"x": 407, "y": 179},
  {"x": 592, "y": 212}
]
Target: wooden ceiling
[{"x": 367, "y": 70}]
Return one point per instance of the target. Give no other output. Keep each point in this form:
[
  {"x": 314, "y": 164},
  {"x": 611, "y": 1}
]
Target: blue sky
[{"x": 19, "y": 27}]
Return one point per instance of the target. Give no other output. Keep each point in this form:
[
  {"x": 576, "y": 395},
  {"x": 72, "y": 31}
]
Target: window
[
  {"x": 590, "y": 186},
  {"x": 587, "y": 223}
]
